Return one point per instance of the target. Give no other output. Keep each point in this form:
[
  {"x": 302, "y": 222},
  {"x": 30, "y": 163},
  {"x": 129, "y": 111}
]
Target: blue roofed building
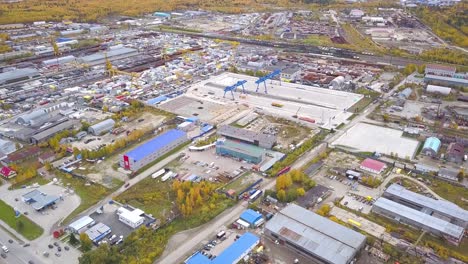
[
  {"x": 153, "y": 149},
  {"x": 231, "y": 255},
  {"x": 39, "y": 200},
  {"x": 157, "y": 100},
  {"x": 252, "y": 217},
  {"x": 431, "y": 146}
]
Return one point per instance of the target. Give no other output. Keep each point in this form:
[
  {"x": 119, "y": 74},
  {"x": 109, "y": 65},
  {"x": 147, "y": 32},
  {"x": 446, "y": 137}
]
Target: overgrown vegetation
[
  {"x": 293, "y": 184},
  {"x": 89, "y": 194},
  {"x": 295, "y": 154},
  {"x": 450, "y": 24},
  {"x": 22, "y": 224},
  {"x": 145, "y": 245},
  {"x": 445, "y": 55}
]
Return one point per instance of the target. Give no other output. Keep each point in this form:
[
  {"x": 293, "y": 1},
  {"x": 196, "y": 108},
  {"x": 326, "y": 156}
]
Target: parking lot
[{"x": 357, "y": 202}]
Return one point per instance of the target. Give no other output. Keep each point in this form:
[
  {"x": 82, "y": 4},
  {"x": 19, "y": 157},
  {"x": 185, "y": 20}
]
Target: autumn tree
[
  {"x": 324, "y": 210},
  {"x": 86, "y": 243}
]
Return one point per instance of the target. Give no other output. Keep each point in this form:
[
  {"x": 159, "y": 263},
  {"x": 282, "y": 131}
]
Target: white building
[
  {"x": 438, "y": 89},
  {"x": 440, "y": 70},
  {"x": 131, "y": 218},
  {"x": 7, "y": 146}
]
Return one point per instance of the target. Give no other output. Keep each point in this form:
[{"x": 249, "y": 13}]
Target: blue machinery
[
  {"x": 233, "y": 88},
  {"x": 265, "y": 78},
  {"x": 260, "y": 80}
]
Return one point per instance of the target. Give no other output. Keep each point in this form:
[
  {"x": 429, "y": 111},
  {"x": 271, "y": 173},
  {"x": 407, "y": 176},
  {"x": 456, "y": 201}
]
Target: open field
[
  {"x": 364, "y": 137},
  {"x": 29, "y": 230},
  {"x": 242, "y": 182},
  {"x": 150, "y": 195}
]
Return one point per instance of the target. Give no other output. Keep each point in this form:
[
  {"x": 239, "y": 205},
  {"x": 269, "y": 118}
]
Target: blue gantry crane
[
  {"x": 233, "y": 88},
  {"x": 265, "y": 78}
]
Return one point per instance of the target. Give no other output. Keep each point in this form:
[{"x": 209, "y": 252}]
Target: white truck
[{"x": 5, "y": 249}]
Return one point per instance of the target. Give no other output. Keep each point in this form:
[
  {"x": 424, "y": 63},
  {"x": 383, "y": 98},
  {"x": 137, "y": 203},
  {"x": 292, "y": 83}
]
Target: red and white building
[
  {"x": 7, "y": 172},
  {"x": 372, "y": 166}
]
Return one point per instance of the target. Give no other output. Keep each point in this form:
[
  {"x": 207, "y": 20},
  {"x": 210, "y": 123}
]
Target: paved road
[
  {"x": 393, "y": 176},
  {"x": 17, "y": 253}
]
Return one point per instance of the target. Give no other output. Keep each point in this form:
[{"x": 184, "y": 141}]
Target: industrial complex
[{"x": 255, "y": 134}]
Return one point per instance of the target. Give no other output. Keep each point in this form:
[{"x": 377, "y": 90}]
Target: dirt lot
[
  {"x": 342, "y": 160},
  {"x": 242, "y": 182},
  {"x": 288, "y": 132}
]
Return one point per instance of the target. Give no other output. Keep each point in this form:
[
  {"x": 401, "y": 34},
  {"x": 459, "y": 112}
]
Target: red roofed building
[
  {"x": 373, "y": 166},
  {"x": 440, "y": 70},
  {"x": 7, "y": 172}
]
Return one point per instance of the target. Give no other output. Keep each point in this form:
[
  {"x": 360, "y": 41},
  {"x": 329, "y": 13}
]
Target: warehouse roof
[
  {"x": 250, "y": 216},
  {"x": 316, "y": 234},
  {"x": 371, "y": 164},
  {"x": 247, "y": 149},
  {"x": 239, "y": 249},
  {"x": 54, "y": 130},
  {"x": 247, "y": 135},
  {"x": 447, "y": 79},
  {"x": 440, "y": 206},
  {"x": 103, "y": 125},
  {"x": 438, "y": 89},
  {"x": 16, "y": 74},
  {"x": 154, "y": 144},
  {"x": 111, "y": 53},
  {"x": 441, "y": 67},
  {"x": 432, "y": 143},
  {"x": 157, "y": 100},
  {"x": 235, "y": 252},
  {"x": 420, "y": 217},
  {"x": 81, "y": 223}
]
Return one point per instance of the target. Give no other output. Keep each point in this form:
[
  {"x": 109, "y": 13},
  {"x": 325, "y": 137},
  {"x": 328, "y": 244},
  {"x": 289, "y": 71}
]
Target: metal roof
[
  {"x": 244, "y": 148},
  {"x": 156, "y": 143},
  {"x": 419, "y": 217},
  {"x": 111, "y": 53},
  {"x": 81, "y": 223},
  {"x": 98, "y": 232},
  {"x": 439, "y": 206},
  {"x": 231, "y": 255},
  {"x": 55, "y": 129},
  {"x": 247, "y": 135},
  {"x": 251, "y": 216},
  {"x": 432, "y": 143},
  {"x": 102, "y": 126},
  {"x": 444, "y": 78},
  {"x": 39, "y": 200},
  {"x": 18, "y": 73},
  {"x": 239, "y": 249},
  {"x": 438, "y": 89},
  {"x": 316, "y": 234}
]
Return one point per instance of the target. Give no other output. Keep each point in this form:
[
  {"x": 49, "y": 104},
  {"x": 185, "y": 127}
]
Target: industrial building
[
  {"x": 59, "y": 61},
  {"x": 231, "y": 255},
  {"x": 441, "y": 70},
  {"x": 455, "y": 152},
  {"x": 242, "y": 151},
  {"x": 153, "y": 149},
  {"x": 431, "y": 146},
  {"x": 252, "y": 218},
  {"x": 81, "y": 224},
  {"x": 407, "y": 215},
  {"x": 438, "y": 89},
  {"x": 373, "y": 166},
  {"x": 52, "y": 131},
  {"x": 112, "y": 54},
  {"x": 247, "y": 136},
  {"x": 314, "y": 236},
  {"x": 7, "y": 147},
  {"x": 102, "y": 127},
  {"x": 18, "y": 75},
  {"x": 34, "y": 118},
  {"x": 437, "y": 208},
  {"x": 444, "y": 80},
  {"x": 98, "y": 232},
  {"x": 39, "y": 200},
  {"x": 132, "y": 218}
]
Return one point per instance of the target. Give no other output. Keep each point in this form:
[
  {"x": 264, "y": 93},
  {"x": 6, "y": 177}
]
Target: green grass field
[
  {"x": 38, "y": 179},
  {"x": 29, "y": 229}
]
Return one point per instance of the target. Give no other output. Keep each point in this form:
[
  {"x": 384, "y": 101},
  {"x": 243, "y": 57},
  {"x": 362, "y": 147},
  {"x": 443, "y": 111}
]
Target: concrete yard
[
  {"x": 47, "y": 217},
  {"x": 327, "y": 107},
  {"x": 364, "y": 137}
]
